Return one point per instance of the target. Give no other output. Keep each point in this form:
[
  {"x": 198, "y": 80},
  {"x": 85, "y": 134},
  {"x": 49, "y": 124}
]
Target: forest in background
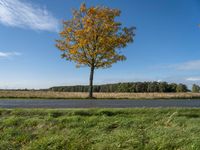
[{"x": 132, "y": 87}]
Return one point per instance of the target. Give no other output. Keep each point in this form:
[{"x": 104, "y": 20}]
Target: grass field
[
  {"x": 79, "y": 95},
  {"x": 99, "y": 129}
]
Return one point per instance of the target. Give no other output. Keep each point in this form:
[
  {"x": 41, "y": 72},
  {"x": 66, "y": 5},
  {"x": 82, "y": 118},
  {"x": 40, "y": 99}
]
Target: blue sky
[{"x": 166, "y": 46}]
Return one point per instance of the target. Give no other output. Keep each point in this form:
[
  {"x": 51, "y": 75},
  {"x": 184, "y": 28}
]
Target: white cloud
[
  {"x": 193, "y": 79},
  {"x": 20, "y": 13},
  {"x": 9, "y": 54},
  {"x": 191, "y": 65},
  {"x": 184, "y": 66},
  {"x": 159, "y": 80}
]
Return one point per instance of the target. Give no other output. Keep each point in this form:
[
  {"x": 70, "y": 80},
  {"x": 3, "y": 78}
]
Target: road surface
[{"x": 36, "y": 103}]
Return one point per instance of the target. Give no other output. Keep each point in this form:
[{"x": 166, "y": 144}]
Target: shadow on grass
[{"x": 189, "y": 115}]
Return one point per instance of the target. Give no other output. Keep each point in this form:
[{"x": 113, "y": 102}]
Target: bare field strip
[{"x": 80, "y": 95}]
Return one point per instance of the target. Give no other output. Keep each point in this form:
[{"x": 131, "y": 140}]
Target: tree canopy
[
  {"x": 92, "y": 36},
  {"x": 195, "y": 88}
]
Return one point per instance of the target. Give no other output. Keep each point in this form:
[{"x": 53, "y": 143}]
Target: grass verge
[{"x": 38, "y": 129}]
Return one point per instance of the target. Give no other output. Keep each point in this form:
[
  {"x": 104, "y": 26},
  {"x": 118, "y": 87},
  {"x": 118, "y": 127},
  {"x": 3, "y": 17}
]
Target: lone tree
[{"x": 94, "y": 38}]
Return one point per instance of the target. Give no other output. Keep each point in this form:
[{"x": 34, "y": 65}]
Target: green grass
[{"x": 109, "y": 129}]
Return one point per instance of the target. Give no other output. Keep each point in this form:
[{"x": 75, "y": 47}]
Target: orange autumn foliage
[{"x": 94, "y": 38}]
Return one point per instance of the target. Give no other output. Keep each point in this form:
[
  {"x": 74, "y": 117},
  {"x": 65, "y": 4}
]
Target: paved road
[{"x": 96, "y": 103}]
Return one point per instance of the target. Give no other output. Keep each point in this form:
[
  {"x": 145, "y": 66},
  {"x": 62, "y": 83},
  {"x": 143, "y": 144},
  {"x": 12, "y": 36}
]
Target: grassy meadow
[
  {"x": 100, "y": 129},
  {"x": 83, "y": 95}
]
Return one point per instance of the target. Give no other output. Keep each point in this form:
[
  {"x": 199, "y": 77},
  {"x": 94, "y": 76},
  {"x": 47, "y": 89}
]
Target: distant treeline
[{"x": 135, "y": 87}]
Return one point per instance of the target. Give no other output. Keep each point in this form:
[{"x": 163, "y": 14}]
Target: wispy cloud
[
  {"x": 9, "y": 54},
  {"x": 24, "y": 14},
  {"x": 191, "y": 65},
  {"x": 184, "y": 66},
  {"x": 193, "y": 79}
]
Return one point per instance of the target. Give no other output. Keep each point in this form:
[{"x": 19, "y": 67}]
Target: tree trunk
[{"x": 91, "y": 82}]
